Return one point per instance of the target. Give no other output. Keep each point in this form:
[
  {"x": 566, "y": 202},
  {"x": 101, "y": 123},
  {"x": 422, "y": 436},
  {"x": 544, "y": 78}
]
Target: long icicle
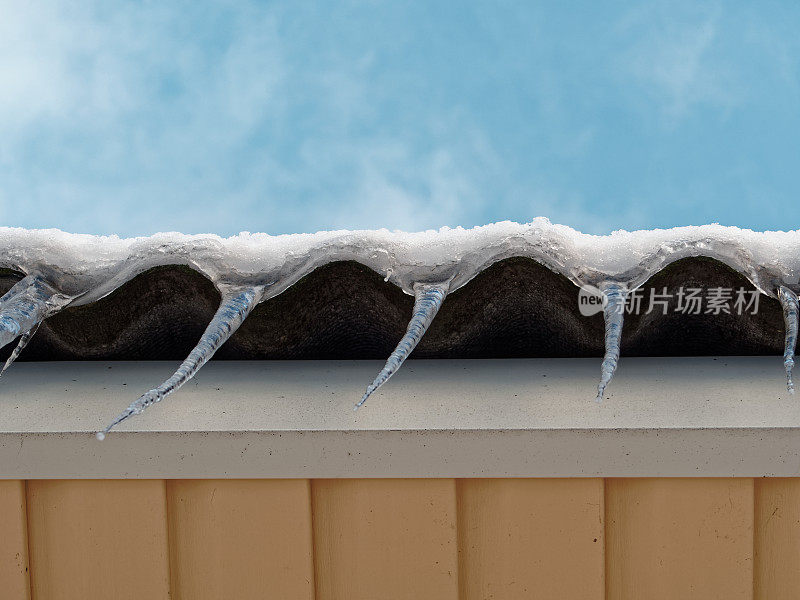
[
  {"x": 428, "y": 300},
  {"x": 613, "y": 313},
  {"x": 23, "y": 341},
  {"x": 24, "y": 307},
  {"x": 790, "y": 309},
  {"x": 233, "y": 310}
]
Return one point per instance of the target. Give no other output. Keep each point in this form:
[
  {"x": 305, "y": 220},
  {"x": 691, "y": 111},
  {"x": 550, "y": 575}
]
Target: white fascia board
[{"x": 662, "y": 417}]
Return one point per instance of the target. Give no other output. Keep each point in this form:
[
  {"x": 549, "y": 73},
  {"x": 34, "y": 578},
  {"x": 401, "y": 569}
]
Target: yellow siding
[
  {"x": 385, "y": 538},
  {"x": 14, "y": 580},
  {"x": 531, "y": 538},
  {"x": 679, "y": 538},
  {"x": 98, "y": 539},
  {"x": 777, "y": 531},
  {"x": 401, "y": 538},
  {"x": 238, "y": 538}
]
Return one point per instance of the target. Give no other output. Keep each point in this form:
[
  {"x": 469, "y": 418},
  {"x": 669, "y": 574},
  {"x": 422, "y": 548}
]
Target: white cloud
[
  {"x": 672, "y": 55},
  {"x": 170, "y": 118},
  {"x": 143, "y": 116}
]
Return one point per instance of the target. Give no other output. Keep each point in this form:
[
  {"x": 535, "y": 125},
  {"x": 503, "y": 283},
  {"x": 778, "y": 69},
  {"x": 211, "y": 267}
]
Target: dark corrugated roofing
[{"x": 515, "y": 308}]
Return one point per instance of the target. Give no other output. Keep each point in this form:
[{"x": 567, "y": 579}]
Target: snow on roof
[{"x": 63, "y": 269}]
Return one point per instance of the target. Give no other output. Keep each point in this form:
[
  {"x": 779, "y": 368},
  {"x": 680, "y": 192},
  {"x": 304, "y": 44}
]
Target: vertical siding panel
[
  {"x": 531, "y": 538},
  {"x": 14, "y": 581},
  {"x": 777, "y": 539},
  {"x": 98, "y": 539},
  {"x": 679, "y": 538},
  {"x": 240, "y": 539},
  {"x": 385, "y": 538}
]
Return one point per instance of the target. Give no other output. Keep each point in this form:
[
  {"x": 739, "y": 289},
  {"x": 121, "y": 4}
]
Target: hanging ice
[
  {"x": 613, "y": 312},
  {"x": 233, "y": 310},
  {"x": 23, "y": 341},
  {"x": 428, "y": 300},
  {"x": 22, "y": 310},
  {"x": 790, "y": 309},
  {"x": 75, "y": 269}
]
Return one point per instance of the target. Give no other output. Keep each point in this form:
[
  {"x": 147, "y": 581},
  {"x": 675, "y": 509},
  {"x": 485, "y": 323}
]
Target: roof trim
[{"x": 700, "y": 416}]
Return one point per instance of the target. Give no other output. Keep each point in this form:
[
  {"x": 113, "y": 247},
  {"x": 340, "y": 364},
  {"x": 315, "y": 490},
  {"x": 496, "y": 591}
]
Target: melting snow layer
[{"x": 63, "y": 269}]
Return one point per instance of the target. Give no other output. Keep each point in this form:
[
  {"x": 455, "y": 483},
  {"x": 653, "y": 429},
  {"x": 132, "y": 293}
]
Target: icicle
[
  {"x": 23, "y": 308},
  {"x": 23, "y": 341},
  {"x": 232, "y": 312},
  {"x": 790, "y": 309},
  {"x": 429, "y": 298},
  {"x": 613, "y": 312}
]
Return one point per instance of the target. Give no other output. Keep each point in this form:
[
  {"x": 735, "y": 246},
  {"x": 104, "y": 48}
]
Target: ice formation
[
  {"x": 23, "y": 341},
  {"x": 23, "y": 309},
  {"x": 613, "y": 314},
  {"x": 429, "y": 298},
  {"x": 790, "y": 309},
  {"x": 234, "y": 308},
  {"x": 68, "y": 269}
]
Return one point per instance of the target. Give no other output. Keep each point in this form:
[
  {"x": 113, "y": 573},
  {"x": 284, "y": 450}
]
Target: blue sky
[{"x": 282, "y": 117}]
